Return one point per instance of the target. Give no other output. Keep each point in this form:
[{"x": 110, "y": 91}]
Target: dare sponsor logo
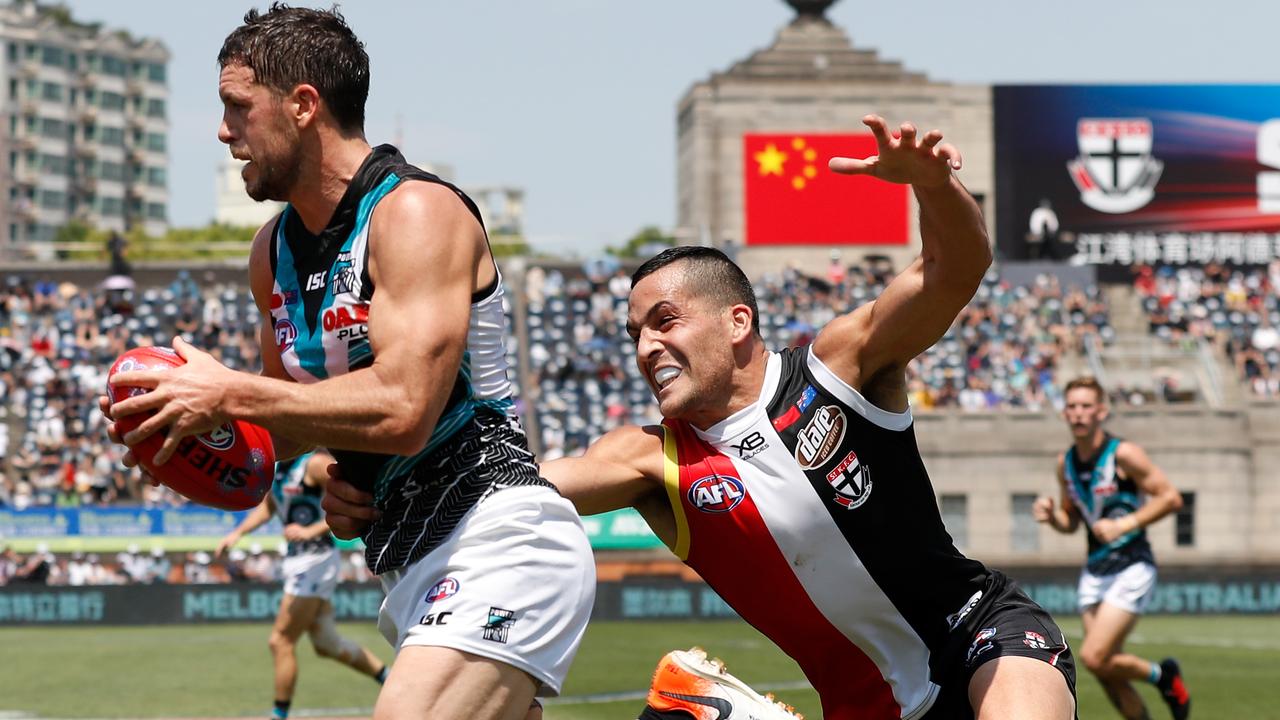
[
  {"x": 347, "y": 322},
  {"x": 820, "y": 439},
  {"x": 716, "y": 493}
]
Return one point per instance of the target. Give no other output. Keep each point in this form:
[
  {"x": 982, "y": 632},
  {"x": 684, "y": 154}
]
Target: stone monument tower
[{"x": 812, "y": 79}]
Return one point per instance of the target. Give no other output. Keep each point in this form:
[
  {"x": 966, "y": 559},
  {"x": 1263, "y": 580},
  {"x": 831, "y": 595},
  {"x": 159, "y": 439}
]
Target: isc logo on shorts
[{"x": 716, "y": 493}]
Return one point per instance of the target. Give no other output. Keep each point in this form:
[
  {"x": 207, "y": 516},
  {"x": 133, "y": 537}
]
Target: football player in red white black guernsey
[{"x": 792, "y": 483}]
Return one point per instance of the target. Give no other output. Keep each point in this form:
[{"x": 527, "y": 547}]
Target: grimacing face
[
  {"x": 255, "y": 128},
  {"x": 1084, "y": 411},
  {"x": 683, "y": 346}
]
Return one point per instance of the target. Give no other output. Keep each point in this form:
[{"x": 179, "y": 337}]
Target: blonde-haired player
[{"x": 1102, "y": 480}]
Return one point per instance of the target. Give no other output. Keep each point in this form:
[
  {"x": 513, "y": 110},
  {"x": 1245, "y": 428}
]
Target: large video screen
[{"x": 1148, "y": 174}]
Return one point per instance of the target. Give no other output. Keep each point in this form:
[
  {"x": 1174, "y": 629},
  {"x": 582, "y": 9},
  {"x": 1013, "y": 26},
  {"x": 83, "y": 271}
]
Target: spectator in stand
[
  {"x": 1234, "y": 310},
  {"x": 158, "y": 568}
]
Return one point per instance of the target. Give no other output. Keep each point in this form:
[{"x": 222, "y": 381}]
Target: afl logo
[
  {"x": 286, "y": 333},
  {"x": 220, "y": 438},
  {"x": 443, "y": 590},
  {"x": 851, "y": 481},
  {"x": 716, "y": 493},
  {"x": 820, "y": 439}
]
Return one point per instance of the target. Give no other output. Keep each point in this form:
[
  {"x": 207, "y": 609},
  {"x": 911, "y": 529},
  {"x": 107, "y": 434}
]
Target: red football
[{"x": 229, "y": 468}]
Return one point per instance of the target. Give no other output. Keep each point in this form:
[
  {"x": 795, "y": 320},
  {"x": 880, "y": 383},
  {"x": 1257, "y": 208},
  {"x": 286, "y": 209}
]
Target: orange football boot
[{"x": 687, "y": 684}]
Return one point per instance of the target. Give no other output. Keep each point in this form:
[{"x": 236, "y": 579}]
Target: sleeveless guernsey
[
  {"x": 320, "y": 309},
  {"x": 826, "y": 497},
  {"x": 299, "y": 503},
  {"x": 1098, "y": 491}
]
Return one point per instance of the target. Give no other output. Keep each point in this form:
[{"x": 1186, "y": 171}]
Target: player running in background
[
  {"x": 383, "y": 341},
  {"x": 310, "y": 576},
  {"x": 791, "y": 481},
  {"x": 1102, "y": 480}
]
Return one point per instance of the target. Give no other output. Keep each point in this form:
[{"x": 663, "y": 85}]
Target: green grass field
[{"x": 1231, "y": 665}]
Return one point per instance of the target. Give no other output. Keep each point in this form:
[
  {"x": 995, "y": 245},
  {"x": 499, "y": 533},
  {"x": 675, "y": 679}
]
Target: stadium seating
[
  {"x": 57, "y": 339},
  {"x": 1236, "y": 310}
]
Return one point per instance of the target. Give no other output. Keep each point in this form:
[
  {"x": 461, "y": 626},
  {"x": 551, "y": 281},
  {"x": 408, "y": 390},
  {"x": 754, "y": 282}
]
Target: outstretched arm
[
  {"x": 618, "y": 470},
  {"x": 624, "y": 468},
  {"x": 920, "y": 304}
]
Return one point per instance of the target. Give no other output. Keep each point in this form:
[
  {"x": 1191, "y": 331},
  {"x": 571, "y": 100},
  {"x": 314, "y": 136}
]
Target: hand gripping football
[{"x": 230, "y": 467}]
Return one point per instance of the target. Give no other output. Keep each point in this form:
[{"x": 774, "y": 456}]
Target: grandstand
[{"x": 1184, "y": 350}]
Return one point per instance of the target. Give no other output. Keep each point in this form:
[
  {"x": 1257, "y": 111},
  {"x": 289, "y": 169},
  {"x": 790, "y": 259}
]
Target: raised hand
[{"x": 903, "y": 157}]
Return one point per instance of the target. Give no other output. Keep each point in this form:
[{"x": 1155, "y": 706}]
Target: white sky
[{"x": 574, "y": 100}]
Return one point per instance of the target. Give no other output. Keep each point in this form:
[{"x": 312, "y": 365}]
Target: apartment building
[{"x": 83, "y": 126}]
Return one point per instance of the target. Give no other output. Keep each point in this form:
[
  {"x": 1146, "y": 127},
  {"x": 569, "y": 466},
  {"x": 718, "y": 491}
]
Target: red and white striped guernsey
[{"x": 811, "y": 514}]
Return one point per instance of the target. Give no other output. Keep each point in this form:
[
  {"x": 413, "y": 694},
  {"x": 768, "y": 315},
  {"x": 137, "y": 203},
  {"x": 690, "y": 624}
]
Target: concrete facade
[
  {"x": 1225, "y": 457},
  {"x": 811, "y": 79},
  {"x": 83, "y": 123}
]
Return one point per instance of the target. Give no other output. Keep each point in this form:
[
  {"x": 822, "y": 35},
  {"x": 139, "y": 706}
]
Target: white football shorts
[
  {"x": 1131, "y": 589},
  {"x": 311, "y": 574},
  {"x": 515, "y": 582}
]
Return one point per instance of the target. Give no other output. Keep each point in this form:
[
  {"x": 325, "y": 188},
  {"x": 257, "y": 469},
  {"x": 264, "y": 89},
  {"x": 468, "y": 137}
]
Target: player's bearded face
[
  {"x": 257, "y": 130},
  {"x": 274, "y": 163}
]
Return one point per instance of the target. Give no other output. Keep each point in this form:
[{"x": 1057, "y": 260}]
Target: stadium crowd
[
  {"x": 1002, "y": 352},
  {"x": 58, "y": 339},
  {"x": 1237, "y": 310},
  {"x": 132, "y": 566}
]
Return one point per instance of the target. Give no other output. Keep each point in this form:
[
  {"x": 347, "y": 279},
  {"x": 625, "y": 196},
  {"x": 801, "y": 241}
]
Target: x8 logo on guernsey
[{"x": 716, "y": 493}]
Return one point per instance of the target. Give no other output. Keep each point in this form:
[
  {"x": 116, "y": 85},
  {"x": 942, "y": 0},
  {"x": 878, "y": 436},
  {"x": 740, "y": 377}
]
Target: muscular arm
[
  {"x": 624, "y": 468},
  {"x": 617, "y": 470},
  {"x": 425, "y": 247},
  {"x": 872, "y": 345},
  {"x": 424, "y": 258}
]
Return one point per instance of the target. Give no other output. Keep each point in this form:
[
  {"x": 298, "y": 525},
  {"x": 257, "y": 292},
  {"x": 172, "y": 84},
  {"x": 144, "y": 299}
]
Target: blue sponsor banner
[
  {"x": 621, "y": 529},
  {"x": 117, "y": 522},
  {"x": 1118, "y": 175}
]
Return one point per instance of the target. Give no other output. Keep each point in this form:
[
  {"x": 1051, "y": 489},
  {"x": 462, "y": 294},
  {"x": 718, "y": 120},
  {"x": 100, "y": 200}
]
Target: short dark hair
[
  {"x": 714, "y": 275},
  {"x": 289, "y": 46},
  {"x": 1086, "y": 381}
]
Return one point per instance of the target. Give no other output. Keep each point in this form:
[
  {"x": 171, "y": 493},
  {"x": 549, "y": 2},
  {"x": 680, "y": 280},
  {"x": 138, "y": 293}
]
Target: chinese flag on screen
[{"x": 793, "y": 199}]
